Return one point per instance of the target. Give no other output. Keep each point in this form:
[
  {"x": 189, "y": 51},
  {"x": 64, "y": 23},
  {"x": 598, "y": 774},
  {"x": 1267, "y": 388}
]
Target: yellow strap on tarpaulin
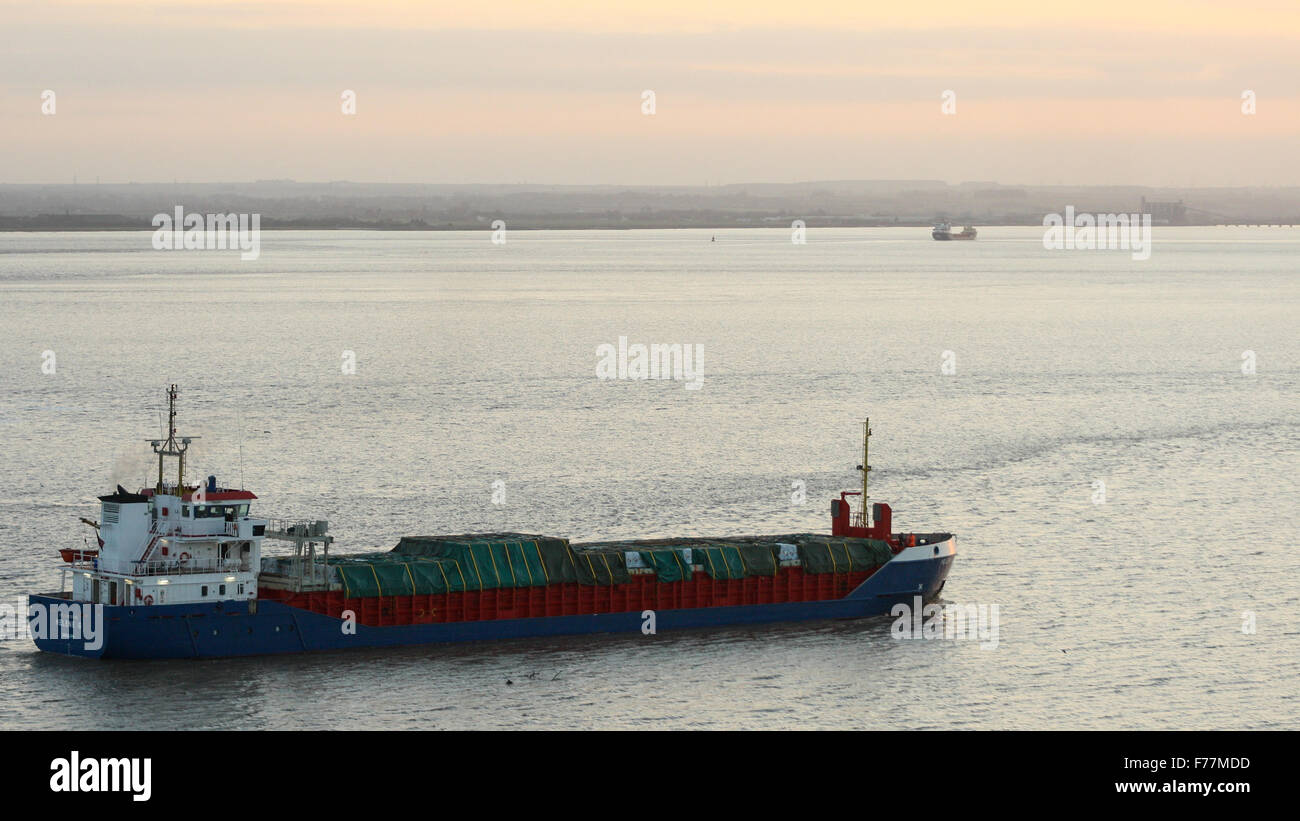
[
  {"x": 836, "y": 564},
  {"x": 474, "y": 559},
  {"x": 409, "y": 576},
  {"x": 523, "y": 557},
  {"x": 713, "y": 569},
  {"x": 545, "y": 574},
  {"x": 446, "y": 583},
  {"x": 573, "y": 560},
  {"x": 592, "y": 566},
  {"x": 678, "y": 557},
  {"x": 514, "y": 580},
  {"x": 496, "y": 571},
  {"x": 376, "y": 575}
]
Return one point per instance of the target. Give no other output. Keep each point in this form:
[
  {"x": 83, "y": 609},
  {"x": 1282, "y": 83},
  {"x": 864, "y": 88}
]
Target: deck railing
[
  {"x": 188, "y": 566},
  {"x": 306, "y": 529},
  {"x": 172, "y": 567}
]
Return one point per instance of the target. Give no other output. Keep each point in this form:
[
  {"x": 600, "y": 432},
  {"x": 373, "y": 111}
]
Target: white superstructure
[{"x": 173, "y": 543}]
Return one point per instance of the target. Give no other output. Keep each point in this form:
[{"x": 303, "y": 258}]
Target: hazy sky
[{"x": 550, "y": 91}]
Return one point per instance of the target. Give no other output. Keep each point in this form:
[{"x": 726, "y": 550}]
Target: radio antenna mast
[
  {"x": 241, "y": 450},
  {"x": 172, "y": 446},
  {"x": 865, "y": 467}
]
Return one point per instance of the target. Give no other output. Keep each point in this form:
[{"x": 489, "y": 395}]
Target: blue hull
[{"x": 230, "y": 629}]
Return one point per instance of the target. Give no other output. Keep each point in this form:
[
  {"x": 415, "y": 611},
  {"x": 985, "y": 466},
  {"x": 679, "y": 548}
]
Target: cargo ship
[
  {"x": 179, "y": 572},
  {"x": 943, "y": 231}
]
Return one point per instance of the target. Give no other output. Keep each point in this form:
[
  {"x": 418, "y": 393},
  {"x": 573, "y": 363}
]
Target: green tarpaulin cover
[
  {"x": 600, "y": 567},
  {"x": 424, "y": 565},
  {"x": 668, "y": 565},
  {"x": 449, "y": 564},
  {"x": 842, "y": 555},
  {"x": 507, "y": 560}
]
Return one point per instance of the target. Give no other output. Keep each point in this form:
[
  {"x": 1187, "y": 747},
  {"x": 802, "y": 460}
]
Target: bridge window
[
  {"x": 209, "y": 511},
  {"x": 203, "y": 591}
]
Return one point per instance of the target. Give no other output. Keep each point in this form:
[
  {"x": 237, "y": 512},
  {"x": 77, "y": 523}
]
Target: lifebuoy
[
  {"x": 148, "y": 599},
  {"x": 185, "y": 557}
]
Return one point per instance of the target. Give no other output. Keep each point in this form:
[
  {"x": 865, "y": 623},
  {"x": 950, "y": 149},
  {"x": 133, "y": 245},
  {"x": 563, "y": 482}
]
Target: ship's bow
[{"x": 918, "y": 570}]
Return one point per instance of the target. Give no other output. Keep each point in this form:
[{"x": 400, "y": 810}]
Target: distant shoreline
[
  {"x": 289, "y": 205},
  {"x": 83, "y": 223},
  {"x": 92, "y": 224}
]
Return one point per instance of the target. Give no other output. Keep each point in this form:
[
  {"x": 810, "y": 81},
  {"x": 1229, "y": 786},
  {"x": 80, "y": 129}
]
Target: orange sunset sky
[{"x": 551, "y": 92}]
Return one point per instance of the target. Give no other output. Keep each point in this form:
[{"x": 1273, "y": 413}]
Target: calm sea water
[{"x": 1119, "y": 487}]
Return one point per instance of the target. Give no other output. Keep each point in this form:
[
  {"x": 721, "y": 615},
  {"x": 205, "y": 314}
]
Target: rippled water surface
[{"x": 1079, "y": 377}]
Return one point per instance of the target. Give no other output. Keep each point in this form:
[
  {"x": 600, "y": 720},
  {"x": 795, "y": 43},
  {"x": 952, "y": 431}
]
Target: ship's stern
[{"x": 59, "y": 624}]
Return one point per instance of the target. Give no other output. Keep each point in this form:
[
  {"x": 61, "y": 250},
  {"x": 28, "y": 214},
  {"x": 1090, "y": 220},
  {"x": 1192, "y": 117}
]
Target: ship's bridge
[{"x": 200, "y": 513}]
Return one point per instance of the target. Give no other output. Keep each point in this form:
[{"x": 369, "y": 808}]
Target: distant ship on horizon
[{"x": 943, "y": 231}]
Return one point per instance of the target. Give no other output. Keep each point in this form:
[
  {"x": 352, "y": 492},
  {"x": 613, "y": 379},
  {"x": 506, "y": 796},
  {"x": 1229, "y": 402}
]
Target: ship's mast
[
  {"x": 865, "y": 467},
  {"x": 172, "y": 446}
]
